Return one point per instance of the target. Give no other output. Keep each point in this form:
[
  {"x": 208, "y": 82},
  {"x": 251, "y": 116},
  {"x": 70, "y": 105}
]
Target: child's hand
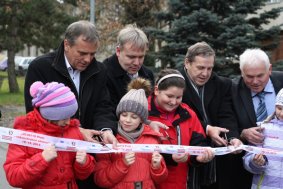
[
  {"x": 81, "y": 157},
  {"x": 259, "y": 160},
  {"x": 207, "y": 156},
  {"x": 180, "y": 158},
  {"x": 156, "y": 160},
  {"x": 129, "y": 158},
  {"x": 49, "y": 153}
]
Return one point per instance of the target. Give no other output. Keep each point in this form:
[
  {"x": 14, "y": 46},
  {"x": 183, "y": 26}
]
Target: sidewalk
[
  {"x": 3, "y": 182},
  {"x": 8, "y": 115}
]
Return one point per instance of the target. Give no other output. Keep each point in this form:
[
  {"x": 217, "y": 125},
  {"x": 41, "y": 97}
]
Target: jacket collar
[
  {"x": 209, "y": 90},
  {"x": 245, "y": 95},
  {"x": 120, "y": 72},
  {"x": 35, "y": 122},
  {"x": 182, "y": 113}
]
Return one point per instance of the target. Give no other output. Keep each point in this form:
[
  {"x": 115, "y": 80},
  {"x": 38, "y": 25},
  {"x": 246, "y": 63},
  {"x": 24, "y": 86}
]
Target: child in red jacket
[
  {"x": 31, "y": 168},
  {"x": 132, "y": 170},
  {"x": 165, "y": 106}
]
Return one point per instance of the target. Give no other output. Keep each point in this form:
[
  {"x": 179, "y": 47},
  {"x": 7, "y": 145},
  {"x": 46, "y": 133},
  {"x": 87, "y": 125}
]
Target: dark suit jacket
[
  {"x": 246, "y": 118},
  {"x": 118, "y": 80},
  {"x": 217, "y": 102},
  {"x": 219, "y": 110},
  {"x": 242, "y": 100}
]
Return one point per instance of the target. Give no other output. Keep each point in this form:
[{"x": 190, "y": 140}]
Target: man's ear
[
  {"x": 118, "y": 50},
  {"x": 66, "y": 45},
  {"x": 186, "y": 63}
]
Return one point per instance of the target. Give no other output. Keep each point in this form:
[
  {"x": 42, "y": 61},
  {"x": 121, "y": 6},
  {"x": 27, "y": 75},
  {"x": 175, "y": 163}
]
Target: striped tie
[{"x": 261, "y": 112}]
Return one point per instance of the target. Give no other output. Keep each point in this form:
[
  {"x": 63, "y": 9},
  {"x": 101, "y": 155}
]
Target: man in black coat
[
  {"x": 257, "y": 76},
  {"x": 127, "y": 62},
  {"x": 74, "y": 65},
  {"x": 209, "y": 95}
]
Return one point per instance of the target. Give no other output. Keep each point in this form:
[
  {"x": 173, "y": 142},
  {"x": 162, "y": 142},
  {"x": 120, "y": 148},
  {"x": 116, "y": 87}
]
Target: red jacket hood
[{"x": 33, "y": 121}]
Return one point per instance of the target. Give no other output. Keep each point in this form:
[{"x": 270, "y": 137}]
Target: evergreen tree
[
  {"x": 229, "y": 26},
  {"x": 30, "y": 22}
]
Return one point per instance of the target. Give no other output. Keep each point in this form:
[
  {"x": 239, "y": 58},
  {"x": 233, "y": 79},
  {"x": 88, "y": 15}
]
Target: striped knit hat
[{"x": 54, "y": 100}]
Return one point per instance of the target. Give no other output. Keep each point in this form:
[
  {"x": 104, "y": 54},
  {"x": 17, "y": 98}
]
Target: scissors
[
  {"x": 101, "y": 141},
  {"x": 226, "y": 138},
  {"x": 167, "y": 137}
]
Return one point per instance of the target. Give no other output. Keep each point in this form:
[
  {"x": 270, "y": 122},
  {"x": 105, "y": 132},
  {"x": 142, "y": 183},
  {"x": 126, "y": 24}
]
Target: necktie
[{"x": 261, "y": 112}]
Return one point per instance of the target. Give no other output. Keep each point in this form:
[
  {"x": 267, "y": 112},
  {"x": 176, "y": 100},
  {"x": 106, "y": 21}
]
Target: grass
[{"x": 7, "y": 98}]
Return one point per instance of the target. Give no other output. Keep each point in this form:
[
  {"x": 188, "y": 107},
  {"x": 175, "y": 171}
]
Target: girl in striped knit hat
[{"x": 30, "y": 168}]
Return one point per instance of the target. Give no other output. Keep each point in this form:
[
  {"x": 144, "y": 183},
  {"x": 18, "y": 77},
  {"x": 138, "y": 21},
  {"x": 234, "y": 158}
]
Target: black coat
[
  {"x": 118, "y": 79},
  {"x": 218, "y": 106},
  {"x": 217, "y": 103},
  {"x": 94, "y": 110}
]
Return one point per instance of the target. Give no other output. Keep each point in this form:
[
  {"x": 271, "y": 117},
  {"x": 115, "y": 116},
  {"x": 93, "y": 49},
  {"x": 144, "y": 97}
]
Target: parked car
[
  {"x": 4, "y": 64},
  {"x": 22, "y": 63}
]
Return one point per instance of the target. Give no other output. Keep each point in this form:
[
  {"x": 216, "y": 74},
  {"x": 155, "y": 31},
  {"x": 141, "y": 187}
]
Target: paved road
[
  {"x": 8, "y": 114},
  {"x": 3, "y": 182}
]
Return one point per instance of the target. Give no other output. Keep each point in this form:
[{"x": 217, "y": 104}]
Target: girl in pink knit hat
[{"x": 30, "y": 168}]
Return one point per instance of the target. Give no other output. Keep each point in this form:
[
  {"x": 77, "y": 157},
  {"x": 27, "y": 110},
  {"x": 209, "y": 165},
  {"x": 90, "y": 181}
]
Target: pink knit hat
[{"x": 54, "y": 100}]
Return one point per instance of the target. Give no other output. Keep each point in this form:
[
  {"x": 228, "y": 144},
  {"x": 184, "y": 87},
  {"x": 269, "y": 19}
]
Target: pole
[{"x": 92, "y": 11}]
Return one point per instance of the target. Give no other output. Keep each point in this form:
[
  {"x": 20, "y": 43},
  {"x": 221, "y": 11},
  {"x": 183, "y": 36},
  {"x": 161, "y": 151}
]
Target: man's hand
[
  {"x": 156, "y": 125},
  {"x": 213, "y": 132},
  {"x": 109, "y": 138},
  {"x": 89, "y": 133},
  {"x": 236, "y": 143},
  {"x": 253, "y": 135}
]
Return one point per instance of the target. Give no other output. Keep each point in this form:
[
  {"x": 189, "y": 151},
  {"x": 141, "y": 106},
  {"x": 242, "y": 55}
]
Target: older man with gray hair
[{"x": 253, "y": 96}]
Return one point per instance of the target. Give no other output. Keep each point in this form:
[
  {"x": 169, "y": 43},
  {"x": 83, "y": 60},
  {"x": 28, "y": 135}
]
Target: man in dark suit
[
  {"x": 127, "y": 62},
  {"x": 257, "y": 76},
  {"x": 209, "y": 95}
]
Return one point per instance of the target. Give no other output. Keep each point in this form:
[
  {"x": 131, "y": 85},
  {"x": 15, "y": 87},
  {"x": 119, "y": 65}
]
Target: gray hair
[
  {"x": 82, "y": 28},
  {"x": 134, "y": 35},
  {"x": 254, "y": 57},
  {"x": 199, "y": 49}
]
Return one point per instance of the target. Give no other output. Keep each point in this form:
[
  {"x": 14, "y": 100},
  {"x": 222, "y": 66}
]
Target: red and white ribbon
[{"x": 40, "y": 141}]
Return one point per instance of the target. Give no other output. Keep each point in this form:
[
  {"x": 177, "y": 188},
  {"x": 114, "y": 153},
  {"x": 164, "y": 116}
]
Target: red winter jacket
[
  {"x": 26, "y": 168},
  {"x": 190, "y": 133},
  {"x": 112, "y": 172}
]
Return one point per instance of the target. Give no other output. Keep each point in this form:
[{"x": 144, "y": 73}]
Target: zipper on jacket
[{"x": 178, "y": 134}]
